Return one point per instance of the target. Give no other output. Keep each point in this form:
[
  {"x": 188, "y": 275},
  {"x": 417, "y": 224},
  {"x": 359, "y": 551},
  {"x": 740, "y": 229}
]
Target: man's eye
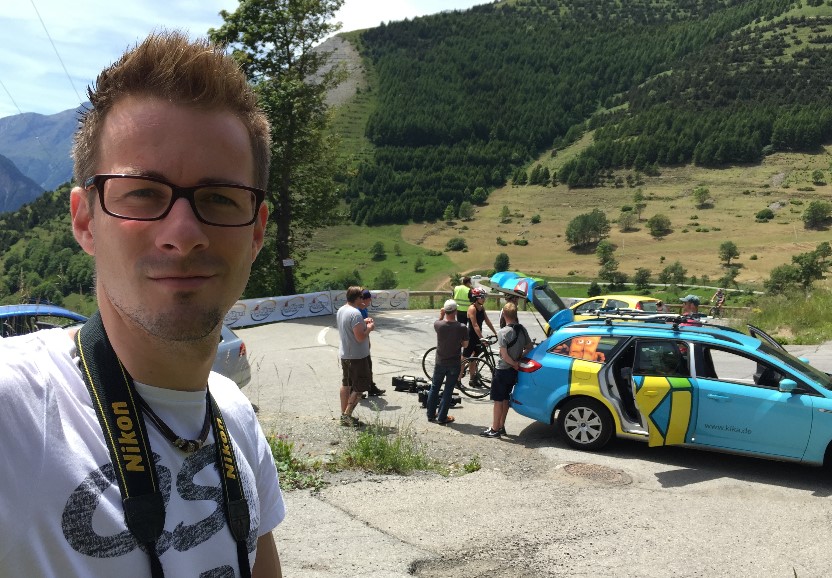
[
  {"x": 218, "y": 198},
  {"x": 145, "y": 193}
]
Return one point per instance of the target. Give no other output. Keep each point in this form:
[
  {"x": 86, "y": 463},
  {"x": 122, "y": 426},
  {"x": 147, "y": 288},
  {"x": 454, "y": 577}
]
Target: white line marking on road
[{"x": 322, "y": 336}]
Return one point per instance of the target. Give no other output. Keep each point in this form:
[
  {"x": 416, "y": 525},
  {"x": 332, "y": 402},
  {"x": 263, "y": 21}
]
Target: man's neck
[{"x": 182, "y": 366}]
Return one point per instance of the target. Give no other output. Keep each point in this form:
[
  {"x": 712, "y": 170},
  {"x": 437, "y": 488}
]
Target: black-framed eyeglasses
[{"x": 145, "y": 198}]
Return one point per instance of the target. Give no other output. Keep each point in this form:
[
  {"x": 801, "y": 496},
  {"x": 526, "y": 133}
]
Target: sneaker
[
  {"x": 375, "y": 392},
  {"x": 503, "y": 431},
  {"x": 447, "y": 420},
  {"x": 490, "y": 433},
  {"x": 431, "y": 419},
  {"x": 349, "y": 421}
]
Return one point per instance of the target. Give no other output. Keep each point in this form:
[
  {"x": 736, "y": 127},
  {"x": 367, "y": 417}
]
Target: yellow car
[{"x": 588, "y": 308}]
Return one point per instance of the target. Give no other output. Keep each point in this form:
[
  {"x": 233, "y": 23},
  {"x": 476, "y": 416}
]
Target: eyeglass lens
[{"x": 138, "y": 198}]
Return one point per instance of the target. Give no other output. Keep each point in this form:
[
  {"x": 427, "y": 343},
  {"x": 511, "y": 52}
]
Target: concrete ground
[{"x": 536, "y": 508}]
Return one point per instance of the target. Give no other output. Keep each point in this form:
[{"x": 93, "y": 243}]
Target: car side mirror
[{"x": 787, "y": 385}]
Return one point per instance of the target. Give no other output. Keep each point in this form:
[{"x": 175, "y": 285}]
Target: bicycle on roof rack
[{"x": 483, "y": 364}]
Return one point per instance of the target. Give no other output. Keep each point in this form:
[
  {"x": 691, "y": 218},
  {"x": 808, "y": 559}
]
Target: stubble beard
[{"x": 186, "y": 323}]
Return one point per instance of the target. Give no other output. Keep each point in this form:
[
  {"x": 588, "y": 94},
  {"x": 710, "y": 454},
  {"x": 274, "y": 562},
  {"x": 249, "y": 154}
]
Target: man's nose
[{"x": 181, "y": 230}]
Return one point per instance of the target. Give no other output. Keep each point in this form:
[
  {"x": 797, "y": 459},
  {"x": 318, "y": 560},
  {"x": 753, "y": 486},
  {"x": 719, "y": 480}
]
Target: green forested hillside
[
  {"x": 40, "y": 257},
  {"x": 463, "y": 98},
  {"x": 459, "y": 104}
]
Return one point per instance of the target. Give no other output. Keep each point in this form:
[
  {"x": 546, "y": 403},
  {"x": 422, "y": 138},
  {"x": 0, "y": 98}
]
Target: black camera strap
[{"x": 117, "y": 405}]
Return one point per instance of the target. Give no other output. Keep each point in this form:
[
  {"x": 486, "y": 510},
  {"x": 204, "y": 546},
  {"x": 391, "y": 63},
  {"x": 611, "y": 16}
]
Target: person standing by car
[
  {"x": 354, "y": 352},
  {"x": 514, "y": 343},
  {"x": 462, "y": 294},
  {"x": 476, "y": 317},
  {"x": 451, "y": 337},
  {"x": 509, "y": 299},
  {"x": 131, "y": 458},
  {"x": 690, "y": 305},
  {"x": 366, "y": 301}
]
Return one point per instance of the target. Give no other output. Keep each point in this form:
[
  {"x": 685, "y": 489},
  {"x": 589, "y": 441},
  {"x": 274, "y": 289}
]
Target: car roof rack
[{"x": 676, "y": 320}]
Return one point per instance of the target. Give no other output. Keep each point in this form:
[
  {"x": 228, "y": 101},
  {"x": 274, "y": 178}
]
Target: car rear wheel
[{"x": 585, "y": 424}]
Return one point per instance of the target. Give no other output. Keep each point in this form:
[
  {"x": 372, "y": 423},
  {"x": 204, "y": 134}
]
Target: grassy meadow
[{"x": 781, "y": 182}]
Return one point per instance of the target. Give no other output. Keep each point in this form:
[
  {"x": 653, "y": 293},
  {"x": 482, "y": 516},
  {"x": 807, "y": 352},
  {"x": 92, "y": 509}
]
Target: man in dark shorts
[
  {"x": 354, "y": 352},
  {"x": 451, "y": 336},
  {"x": 514, "y": 343},
  {"x": 476, "y": 316},
  {"x": 364, "y": 308}
]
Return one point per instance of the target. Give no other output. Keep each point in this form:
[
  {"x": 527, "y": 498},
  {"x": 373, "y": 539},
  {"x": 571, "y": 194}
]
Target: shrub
[
  {"x": 535, "y": 219},
  {"x": 501, "y": 262},
  {"x": 659, "y": 225},
  {"x": 501, "y": 242},
  {"x": 765, "y": 215},
  {"x": 521, "y": 242},
  {"x": 456, "y": 244},
  {"x": 386, "y": 280},
  {"x": 594, "y": 290}
]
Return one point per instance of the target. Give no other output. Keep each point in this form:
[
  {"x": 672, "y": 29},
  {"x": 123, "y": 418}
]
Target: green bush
[
  {"x": 386, "y": 279},
  {"x": 765, "y": 215},
  {"x": 521, "y": 242},
  {"x": 456, "y": 244}
]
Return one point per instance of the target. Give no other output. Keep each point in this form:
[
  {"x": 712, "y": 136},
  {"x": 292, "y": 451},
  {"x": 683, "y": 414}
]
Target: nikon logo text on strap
[{"x": 129, "y": 446}]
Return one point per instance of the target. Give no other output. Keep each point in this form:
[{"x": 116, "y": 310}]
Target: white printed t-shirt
[{"x": 60, "y": 506}]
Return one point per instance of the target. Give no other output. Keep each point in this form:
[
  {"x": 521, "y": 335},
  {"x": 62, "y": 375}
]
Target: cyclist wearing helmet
[{"x": 476, "y": 317}]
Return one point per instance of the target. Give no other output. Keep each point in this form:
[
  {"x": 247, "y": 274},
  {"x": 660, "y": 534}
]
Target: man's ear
[
  {"x": 82, "y": 222},
  {"x": 259, "y": 231}
]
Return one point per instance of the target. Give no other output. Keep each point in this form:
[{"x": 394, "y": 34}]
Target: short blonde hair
[
  {"x": 169, "y": 66},
  {"x": 510, "y": 310}
]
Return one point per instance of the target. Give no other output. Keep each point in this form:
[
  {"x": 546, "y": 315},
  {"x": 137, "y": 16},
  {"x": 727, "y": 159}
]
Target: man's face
[
  {"x": 689, "y": 307},
  {"x": 176, "y": 278}
]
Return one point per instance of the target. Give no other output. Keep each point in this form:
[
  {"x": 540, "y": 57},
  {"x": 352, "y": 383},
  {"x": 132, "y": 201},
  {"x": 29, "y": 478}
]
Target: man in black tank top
[{"x": 476, "y": 317}]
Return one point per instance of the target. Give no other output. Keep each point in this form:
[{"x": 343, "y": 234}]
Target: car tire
[{"x": 585, "y": 424}]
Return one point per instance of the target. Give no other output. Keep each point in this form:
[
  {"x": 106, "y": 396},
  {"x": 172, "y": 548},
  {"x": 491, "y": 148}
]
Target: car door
[
  {"x": 739, "y": 405},
  {"x": 662, "y": 389}
]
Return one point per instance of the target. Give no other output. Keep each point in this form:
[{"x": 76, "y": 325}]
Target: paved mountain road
[{"x": 536, "y": 508}]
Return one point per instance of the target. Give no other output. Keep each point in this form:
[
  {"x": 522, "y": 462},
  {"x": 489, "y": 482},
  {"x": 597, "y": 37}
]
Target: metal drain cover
[{"x": 598, "y": 473}]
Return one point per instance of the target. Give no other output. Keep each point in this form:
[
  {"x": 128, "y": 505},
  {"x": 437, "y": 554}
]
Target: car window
[
  {"x": 588, "y": 347},
  {"x": 546, "y": 300},
  {"x": 790, "y": 361},
  {"x": 662, "y": 357},
  {"x": 616, "y": 304},
  {"x": 729, "y": 365},
  {"x": 589, "y": 306},
  {"x": 649, "y": 306}
]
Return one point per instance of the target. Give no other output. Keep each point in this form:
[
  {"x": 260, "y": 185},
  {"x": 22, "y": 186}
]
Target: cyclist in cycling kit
[
  {"x": 476, "y": 317},
  {"x": 718, "y": 300}
]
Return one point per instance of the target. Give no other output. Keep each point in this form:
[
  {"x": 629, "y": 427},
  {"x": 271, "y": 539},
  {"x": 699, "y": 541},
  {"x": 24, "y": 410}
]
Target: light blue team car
[{"x": 667, "y": 383}]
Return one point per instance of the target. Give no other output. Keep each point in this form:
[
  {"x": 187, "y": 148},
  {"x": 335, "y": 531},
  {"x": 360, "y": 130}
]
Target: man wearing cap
[
  {"x": 364, "y": 309},
  {"x": 462, "y": 294},
  {"x": 451, "y": 337},
  {"x": 690, "y": 305}
]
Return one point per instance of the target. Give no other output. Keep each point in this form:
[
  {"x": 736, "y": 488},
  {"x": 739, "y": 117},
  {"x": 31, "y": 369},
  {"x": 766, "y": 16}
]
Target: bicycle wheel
[
  {"x": 479, "y": 385},
  {"x": 429, "y": 362}
]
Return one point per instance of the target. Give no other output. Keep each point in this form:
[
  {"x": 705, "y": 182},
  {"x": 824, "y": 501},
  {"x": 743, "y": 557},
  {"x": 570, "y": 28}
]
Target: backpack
[{"x": 517, "y": 326}]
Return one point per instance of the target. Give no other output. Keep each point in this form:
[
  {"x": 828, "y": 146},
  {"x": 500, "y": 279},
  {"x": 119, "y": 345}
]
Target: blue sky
[{"x": 90, "y": 34}]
